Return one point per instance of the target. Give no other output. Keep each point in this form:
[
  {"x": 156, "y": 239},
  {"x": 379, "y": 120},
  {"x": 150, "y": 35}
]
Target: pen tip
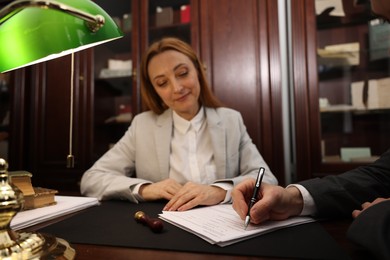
[{"x": 247, "y": 220}]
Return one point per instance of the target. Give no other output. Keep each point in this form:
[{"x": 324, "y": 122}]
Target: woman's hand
[
  {"x": 366, "y": 205},
  {"x": 192, "y": 195},
  {"x": 165, "y": 189}
]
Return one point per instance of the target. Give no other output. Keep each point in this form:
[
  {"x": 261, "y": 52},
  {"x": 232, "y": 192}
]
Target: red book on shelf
[{"x": 185, "y": 14}]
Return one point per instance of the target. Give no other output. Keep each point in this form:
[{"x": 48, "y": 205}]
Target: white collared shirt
[{"x": 192, "y": 156}]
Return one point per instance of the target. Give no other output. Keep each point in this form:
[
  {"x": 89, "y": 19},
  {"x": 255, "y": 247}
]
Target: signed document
[{"x": 221, "y": 225}]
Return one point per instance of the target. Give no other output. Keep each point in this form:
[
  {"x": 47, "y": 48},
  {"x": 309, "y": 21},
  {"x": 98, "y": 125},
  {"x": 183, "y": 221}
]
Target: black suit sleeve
[
  {"x": 371, "y": 230},
  {"x": 339, "y": 195}
]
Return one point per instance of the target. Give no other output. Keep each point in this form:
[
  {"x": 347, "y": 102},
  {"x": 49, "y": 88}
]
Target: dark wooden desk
[
  {"x": 86, "y": 252},
  {"x": 336, "y": 228}
]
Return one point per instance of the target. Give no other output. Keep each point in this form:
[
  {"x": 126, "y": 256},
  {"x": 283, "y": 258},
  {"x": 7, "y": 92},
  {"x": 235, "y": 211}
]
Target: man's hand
[
  {"x": 366, "y": 205},
  {"x": 274, "y": 202}
]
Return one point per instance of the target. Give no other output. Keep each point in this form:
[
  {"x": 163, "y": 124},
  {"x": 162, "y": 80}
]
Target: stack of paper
[
  {"x": 65, "y": 205},
  {"x": 221, "y": 225}
]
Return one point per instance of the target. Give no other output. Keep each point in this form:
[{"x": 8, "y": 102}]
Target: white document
[
  {"x": 221, "y": 225},
  {"x": 65, "y": 205}
]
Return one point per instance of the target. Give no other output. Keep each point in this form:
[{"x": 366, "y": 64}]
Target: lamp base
[{"x": 26, "y": 245}]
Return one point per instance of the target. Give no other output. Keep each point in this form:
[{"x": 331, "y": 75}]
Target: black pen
[{"x": 260, "y": 175}]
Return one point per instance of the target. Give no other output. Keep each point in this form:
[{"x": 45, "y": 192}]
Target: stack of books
[{"x": 34, "y": 197}]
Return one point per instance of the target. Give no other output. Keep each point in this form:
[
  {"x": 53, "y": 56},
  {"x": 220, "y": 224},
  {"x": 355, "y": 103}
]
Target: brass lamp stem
[{"x": 70, "y": 158}]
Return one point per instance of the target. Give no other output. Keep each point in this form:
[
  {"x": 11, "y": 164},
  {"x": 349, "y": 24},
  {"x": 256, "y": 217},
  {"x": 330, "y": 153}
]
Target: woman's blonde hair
[{"x": 150, "y": 97}]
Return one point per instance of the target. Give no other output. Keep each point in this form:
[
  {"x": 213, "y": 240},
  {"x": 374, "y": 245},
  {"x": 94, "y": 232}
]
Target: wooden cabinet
[
  {"x": 47, "y": 137},
  {"x": 237, "y": 42},
  {"x": 339, "y": 63},
  {"x": 114, "y": 102},
  {"x": 5, "y": 82}
]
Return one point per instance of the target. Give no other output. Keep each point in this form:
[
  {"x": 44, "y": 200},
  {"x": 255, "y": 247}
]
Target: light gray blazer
[{"x": 142, "y": 154}]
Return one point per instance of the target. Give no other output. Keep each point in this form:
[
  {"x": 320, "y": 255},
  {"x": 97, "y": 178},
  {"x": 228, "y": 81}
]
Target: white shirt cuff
[
  {"x": 226, "y": 186},
  {"x": 135, "y": 191},
  {"x": 309, "y": 206}
]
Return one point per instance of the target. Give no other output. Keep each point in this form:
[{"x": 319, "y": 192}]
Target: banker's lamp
[{"x": 33, "y": 31}]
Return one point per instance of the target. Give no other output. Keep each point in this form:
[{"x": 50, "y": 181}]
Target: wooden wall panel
[
  {"x": 48, "y": 123},
  {"x": 239, "y": 45}
]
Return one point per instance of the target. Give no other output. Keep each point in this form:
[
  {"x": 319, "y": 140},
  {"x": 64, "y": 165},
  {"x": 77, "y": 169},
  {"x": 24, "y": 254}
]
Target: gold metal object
[
  {"x": 24, "y": 245},
  {"x": 138, "y": 215},
  {"x": 70, "y": 158},
  {"x": 70, "y": 161},
  {"x": 93, "y": 22}
]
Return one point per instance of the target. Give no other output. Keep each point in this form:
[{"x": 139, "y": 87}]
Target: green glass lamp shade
[{"x": 36, "y": 34}]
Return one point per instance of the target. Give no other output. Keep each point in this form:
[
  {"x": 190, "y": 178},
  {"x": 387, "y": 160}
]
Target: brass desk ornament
[{"x": 24, "y": 245}]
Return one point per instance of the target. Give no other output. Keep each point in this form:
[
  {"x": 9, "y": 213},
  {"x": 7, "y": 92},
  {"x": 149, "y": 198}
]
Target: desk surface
[{"x": 337, "y": 230}]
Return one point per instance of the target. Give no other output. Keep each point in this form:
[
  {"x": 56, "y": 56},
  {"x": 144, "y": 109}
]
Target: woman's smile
[{"x": 182, "y": 98}]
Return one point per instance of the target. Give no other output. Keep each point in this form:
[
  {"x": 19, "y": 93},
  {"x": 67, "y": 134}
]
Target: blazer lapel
[
  {"x": 162, "y": 137},
  {"x": 218, "y": 139}
]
